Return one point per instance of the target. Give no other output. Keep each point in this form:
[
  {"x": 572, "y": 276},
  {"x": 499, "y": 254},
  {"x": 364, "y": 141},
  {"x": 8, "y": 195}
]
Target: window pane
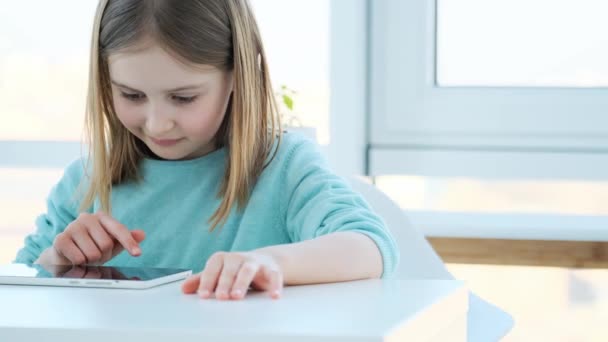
[
  {"x": 23, "y": 198},
  {"x": 43, "y": 68},
  {"x": 298, "y": 55},
  {"x": 44, "y": 62},
  {"x": 497, "y": 196},
  {"x": 522, "y": 43}
]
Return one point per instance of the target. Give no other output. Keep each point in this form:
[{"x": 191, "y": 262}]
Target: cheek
[
  {"x": 128, "y": 114},
  {"x": 203, "y": 119}
]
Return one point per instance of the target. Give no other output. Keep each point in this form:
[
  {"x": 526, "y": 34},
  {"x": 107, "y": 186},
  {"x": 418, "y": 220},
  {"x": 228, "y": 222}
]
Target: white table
[{"x": 369, "y": 310}]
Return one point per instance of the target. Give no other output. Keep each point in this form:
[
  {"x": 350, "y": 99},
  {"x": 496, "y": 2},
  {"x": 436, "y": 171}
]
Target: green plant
[{"x": 286, "y": 107}]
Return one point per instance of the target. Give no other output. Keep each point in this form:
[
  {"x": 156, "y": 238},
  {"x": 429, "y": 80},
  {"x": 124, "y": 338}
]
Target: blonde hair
[{"x": 221, "y": 33}]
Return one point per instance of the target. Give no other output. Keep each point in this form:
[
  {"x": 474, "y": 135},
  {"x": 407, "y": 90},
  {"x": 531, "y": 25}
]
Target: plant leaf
[{"x": 288, "y": 101}]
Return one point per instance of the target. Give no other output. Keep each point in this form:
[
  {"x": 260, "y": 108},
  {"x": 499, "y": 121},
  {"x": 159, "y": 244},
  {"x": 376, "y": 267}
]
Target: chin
[{"x": 170, "y": 155}]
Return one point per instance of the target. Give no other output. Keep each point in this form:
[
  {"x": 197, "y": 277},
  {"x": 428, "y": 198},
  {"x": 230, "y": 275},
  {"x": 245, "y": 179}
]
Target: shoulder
[
  {"x": 296, "y": 150},
  {"x": 76, "y": 170},
  {"x": 74, "y": 175},
  {"x": 299, "y": 163}
]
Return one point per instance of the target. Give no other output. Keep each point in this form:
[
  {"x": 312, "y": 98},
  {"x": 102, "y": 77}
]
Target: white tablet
[{"x": 89, "y": 276}]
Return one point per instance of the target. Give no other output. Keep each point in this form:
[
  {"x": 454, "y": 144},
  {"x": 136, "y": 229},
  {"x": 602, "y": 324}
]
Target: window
[
  {"x": 22, "y": 199},
  {"x": 481, "y": 120},
  {"x": 431, "y": 88},
  {"x": 298, "y": 55},
  {"x": 45, "y": 54},
  {"x": 44, "y": 63},
  {"x": 521, "y": 43},
  {"x": 497, "y": 196}
]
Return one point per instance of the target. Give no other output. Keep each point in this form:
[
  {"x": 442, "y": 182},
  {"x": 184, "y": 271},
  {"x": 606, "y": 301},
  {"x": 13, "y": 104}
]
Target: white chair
[{"x": 486, "y": 322}]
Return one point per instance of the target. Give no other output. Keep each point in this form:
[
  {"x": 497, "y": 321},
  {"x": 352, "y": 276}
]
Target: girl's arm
[
  {"x": 334, "y": 257},
  {"x": 335, "y": 232}
]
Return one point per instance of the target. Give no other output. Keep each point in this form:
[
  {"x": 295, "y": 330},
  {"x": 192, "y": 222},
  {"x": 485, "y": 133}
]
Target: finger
[
  {"x": 191, "y": 284},
  {"x": 120, "y": 233},
  {"x": 84, "y": 241},
  {"x": 57, "y": 258},
  {"x": 209, "y": 276},
  {"x": 65, "y": 247},
  {"x": 102, "y": 240},
  {"x": 227, "y": 277},
  {"x": 117, "y": 248},
  {"x": 243, "y": 279},
  {"x": 138, "y": 234},
  {"x": 275, "y": 279}
]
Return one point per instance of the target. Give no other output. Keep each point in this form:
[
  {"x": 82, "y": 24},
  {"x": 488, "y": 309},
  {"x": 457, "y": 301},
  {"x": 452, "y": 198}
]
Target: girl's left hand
[{"x": 230, "y": 274}]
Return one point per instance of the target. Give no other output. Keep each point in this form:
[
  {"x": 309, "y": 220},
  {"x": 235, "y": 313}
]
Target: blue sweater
[{"x": 296, "y": 198}]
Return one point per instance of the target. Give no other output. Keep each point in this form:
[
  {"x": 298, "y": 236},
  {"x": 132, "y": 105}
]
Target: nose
[{"x": 158, "y": 122}]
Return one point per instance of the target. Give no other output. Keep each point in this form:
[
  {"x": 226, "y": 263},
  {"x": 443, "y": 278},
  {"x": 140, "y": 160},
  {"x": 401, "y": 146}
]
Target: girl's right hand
[{"x": 92, "y": 239}]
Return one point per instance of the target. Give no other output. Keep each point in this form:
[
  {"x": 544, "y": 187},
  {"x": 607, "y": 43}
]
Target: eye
[
  {"x": 135, "y": 97},
  {"x": 184, "y": 99}
]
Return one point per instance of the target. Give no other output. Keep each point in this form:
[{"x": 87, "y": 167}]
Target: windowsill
[
  {"x": 39, "y": 154},
  {"x": 510, "y": 226}
]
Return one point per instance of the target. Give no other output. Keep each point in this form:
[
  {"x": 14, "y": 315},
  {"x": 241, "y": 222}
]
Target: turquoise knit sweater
[{"x": 296, "y": 198}]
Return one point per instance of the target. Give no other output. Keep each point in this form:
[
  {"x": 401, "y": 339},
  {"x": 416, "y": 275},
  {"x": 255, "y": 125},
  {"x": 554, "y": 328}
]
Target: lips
[{"x": 165, "y": 142}]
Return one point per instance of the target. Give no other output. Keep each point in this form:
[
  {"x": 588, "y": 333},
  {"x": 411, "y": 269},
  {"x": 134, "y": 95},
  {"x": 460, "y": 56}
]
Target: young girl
[{"x": 185, "y": 146}]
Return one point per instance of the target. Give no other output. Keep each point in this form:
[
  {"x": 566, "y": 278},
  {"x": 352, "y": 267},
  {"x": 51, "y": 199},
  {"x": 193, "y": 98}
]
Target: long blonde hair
[{"x": 221, "y": 33}]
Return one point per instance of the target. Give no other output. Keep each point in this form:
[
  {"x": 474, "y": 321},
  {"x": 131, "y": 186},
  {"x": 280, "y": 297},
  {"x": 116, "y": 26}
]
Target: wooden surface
[{"x": 571, "y": 254}]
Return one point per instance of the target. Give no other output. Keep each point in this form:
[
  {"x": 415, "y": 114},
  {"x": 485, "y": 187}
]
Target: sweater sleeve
[
  {"x": 62, "y": 209},
  {"x": 319, "y": 202}
]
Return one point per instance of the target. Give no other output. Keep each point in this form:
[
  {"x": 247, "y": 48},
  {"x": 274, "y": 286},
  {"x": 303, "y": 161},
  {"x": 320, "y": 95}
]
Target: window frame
[{"x": 411, "y": 115}]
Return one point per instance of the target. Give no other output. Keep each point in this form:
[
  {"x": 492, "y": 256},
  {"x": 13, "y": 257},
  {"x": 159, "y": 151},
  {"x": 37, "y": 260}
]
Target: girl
[{"x": 185, "y": 144}]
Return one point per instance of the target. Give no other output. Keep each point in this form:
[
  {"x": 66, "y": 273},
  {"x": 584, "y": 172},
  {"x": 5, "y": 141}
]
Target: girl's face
[{"x": 176, "y": 110}]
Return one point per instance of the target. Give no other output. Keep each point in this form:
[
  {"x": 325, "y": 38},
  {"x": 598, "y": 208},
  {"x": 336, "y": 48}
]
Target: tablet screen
[{"x": 85, "y": 272}]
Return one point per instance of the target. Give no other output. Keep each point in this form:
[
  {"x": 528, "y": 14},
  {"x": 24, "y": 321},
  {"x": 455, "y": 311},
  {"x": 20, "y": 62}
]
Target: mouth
[{"x": 165, "y": 142}]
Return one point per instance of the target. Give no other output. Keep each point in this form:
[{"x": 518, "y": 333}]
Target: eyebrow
[{"x": 187, "y": 87}]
